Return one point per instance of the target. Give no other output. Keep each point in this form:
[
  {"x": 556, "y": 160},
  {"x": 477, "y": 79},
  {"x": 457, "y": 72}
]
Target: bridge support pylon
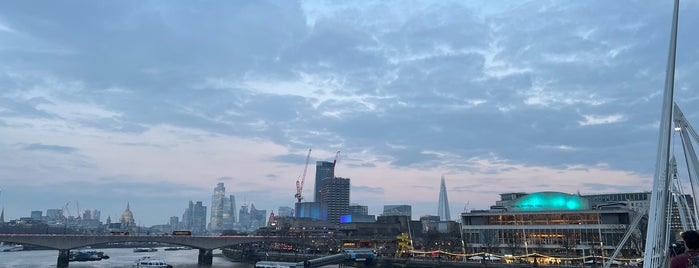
[
  {"x": 63, "y": 255},
  {"x": 206, "y": 257}
]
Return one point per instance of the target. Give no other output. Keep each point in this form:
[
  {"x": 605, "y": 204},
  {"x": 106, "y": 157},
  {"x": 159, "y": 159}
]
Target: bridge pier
[
  {"x": 63, "y": 255},
  {"x": 206, "y": 257}
]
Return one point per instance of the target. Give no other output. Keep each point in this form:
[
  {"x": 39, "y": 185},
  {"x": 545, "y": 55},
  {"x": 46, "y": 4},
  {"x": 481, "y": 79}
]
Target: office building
[
  {"x": 324, "y": 170},
  {"x": 175, "y": 223},
  {"x": 552, "y": 223},
  {"x": 335, "y": 196},
  {"x": 285, "y": 212},
  {"x": 357, "y": 210},
  {"x": 397, "y": 210},
  {"x": 223, "y": 212},
  {"x": 194, "y": 218},
  {"x": 96, "y": 215},
  {"x": 358, "y": 213},
  {"x": 54, "y": 215},
  {"x": 311, "y": 210},
  {"x": 229, "y": 215},
  {"x": 251, "y": 218},
  {"x": 36, "y": 215},
  {"x": 218, "y": 200},
  {"x": 443, "y": 206}
]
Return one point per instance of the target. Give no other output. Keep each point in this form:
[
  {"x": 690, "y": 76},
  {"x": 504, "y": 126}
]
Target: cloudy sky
[{"x": 154, "y": 102}]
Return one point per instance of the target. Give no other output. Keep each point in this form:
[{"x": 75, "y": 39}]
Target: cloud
[
  {"x": 49, "y": 148},
  {"x": 592, "y": 120}
]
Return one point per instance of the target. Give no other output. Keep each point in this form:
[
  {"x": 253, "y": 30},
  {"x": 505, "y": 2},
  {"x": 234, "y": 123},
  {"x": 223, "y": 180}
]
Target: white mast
[{"x": 657, "y": 238}]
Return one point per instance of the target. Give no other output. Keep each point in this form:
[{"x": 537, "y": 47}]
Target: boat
[
  {"x": 86, "y": 255},
  {"x": 277, "y": 264},
  {"x": 177, "y": 248},
  {"x": 9, "y": 248},
  {"x": 145, "y": 249},
  {"x": 148, "y": 262}
]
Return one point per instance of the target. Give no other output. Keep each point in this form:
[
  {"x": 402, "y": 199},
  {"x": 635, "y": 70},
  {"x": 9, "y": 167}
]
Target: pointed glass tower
[{"x": 443, "y": 203}]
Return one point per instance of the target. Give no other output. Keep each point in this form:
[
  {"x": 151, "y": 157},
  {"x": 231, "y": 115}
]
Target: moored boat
[
  {"x": 8, "y": 248},
  {"x": 277, "y": 264},
  {"x": 148, "y": 262},
  {"x": 145, "y": 249},
  {"x": 86, "y": 255},
  {"x": 177, "y": 248}
]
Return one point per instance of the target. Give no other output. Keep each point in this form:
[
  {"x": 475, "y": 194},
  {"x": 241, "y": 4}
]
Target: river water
[{"x": 118, "y": 258}]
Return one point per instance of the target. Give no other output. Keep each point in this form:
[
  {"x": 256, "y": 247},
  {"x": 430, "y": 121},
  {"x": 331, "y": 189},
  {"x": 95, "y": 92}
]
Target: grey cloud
[
  {"x": 224, "y": 178},
  {"x": 49, "y": 148}
]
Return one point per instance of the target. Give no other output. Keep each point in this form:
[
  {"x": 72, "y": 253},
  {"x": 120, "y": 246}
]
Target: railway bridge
[{"x": 64, "y": 243}]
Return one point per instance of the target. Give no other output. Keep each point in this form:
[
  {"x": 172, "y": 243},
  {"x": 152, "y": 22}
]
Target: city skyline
[{"x": 154, "y": 103}]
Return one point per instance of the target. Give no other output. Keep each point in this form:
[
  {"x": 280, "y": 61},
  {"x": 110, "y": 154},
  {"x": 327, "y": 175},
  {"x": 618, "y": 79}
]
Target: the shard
[{"x": 443, "y": 203}]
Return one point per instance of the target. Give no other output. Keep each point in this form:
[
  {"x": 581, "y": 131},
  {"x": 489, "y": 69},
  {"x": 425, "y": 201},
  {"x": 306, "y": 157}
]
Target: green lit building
[{"x": 552, "y": 223}]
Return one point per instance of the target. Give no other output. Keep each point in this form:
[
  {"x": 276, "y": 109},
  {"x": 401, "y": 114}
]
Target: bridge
[{"x": 64, "y": 243}]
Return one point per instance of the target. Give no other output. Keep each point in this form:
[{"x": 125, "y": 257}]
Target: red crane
[{"x": 300, "y": 180}]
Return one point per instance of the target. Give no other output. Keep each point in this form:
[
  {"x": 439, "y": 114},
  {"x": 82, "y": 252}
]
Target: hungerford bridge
[{"x": 64, "y": 243}]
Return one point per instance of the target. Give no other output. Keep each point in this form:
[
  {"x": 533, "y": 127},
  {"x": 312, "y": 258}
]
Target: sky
[{"x": 152, "y": 103}]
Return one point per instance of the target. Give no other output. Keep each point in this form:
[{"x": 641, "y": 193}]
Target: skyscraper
[
  {"x": 217, "y": 205},
  {"x": 223, "y": 212},
  {"x": 324, "y": 170},
  {"x": 229, "y": 213},
  {"x": 334, "y": 198},
  {"x": 443, "y": 210},
  {"x": 285, "y": 212},
  {"x": 194, "y": 218}
]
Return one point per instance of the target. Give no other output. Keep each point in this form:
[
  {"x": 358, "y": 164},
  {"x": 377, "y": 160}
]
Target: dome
[{"x": 127, "y": 216}]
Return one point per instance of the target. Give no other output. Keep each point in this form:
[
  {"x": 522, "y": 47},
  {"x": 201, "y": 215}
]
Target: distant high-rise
[
  {"x": 222, "y": 210},
  {"x": 324, "y": 170},
  {"x": 36, "y": 215},
  {"x": 217, "y": 204},
  {"x": 174, "y": 223},
  {"x": 285, "y": 212},
  {"x": 53, "y": 215},
  {"x": 443, "y": 210},
  {"x": 356, "y": 209},
  {"x": 96, "y": 214},
  {"x": 334, "y": 198},
  {"x": 229, "y": 212},
  {"x": 194, "y": 218},
  {"x": 397, "y": 210},
  {"x": 251, "y": 218}
]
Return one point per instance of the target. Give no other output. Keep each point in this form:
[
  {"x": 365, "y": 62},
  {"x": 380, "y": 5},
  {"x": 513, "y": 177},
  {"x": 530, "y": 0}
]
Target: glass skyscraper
[
  {"x": 223, "y": 212},
  {"x": 218, "y": 202},
  {"x": 324, "y": 170},
  {"x": 443, "y": 210}
]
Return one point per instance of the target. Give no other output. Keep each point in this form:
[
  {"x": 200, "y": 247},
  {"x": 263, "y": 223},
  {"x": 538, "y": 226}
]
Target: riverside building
[{"x": 559, "y": 224}]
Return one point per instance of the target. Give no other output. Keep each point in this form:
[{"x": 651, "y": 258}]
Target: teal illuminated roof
[{"x": 549, "y": 201}]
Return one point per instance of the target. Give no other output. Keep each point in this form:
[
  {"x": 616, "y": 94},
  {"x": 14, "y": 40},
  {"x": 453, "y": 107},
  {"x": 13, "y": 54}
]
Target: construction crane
[
  {"x": 300, "y": 180},
  {"x": 66, "y": 211}
]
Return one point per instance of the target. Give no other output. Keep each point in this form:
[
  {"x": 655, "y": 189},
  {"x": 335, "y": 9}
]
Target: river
[{"x": 119, "y": 257}]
